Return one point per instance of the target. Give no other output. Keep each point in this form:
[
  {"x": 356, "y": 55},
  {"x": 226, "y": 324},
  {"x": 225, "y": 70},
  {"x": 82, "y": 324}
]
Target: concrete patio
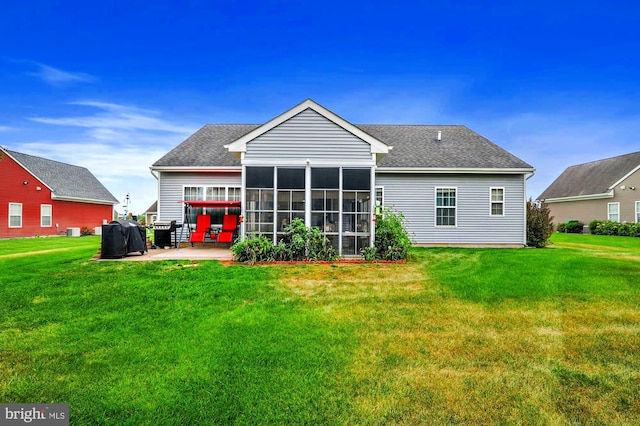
[{"x": 186, "y": 252}]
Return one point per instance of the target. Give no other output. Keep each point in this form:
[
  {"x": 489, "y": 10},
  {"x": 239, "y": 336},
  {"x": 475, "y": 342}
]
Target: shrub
[
  {"x": 294, "y": 242},
  {"x": 573, "y": 227},
  {"x": 561, "y": 228},
  {"x": 298, "y": 243},
  {"x": 392, "y": 241},
  {"x": 539, "y": 225},
  {"x": 85, "y": 230},
  {"x": 624, "y": 229},
  {"x": 370, "y": 254},
  {"x": 608, "y": 227},
  {"x": 318, "y": 246},
  {"x": 254, "y": 249}
]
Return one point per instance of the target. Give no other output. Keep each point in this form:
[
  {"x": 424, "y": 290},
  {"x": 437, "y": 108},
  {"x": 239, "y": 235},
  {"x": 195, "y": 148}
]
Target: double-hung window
[
  {"x": 45, "y": 215},
  {"x": 446, "y": 206},
  {"x": 497, "y": 202},
  {"x": 613, "y": 212},
  {"x": 637, "y": 211},
  {"x": 15, "y": 215}
]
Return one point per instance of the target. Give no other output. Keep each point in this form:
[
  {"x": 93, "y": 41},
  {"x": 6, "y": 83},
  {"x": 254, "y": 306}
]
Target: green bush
[
  {"x": 573, "y": 227},
  {"x": 624, "y": 229},
  {"x": 608, "y": 227},
  {"x": 539, "y": 225},
  {"x": 318, "y": 246},
  {"x": 392, "y": 241},
  {"x": 298, "y": 243},
  {"x": 254, "y": 249},
  {"x": 561, "y": 228}
]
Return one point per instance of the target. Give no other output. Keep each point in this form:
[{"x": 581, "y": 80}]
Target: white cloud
[
  {"x": 6, "y": 129},
  {"x": 117, "y": 144},
  {"x": 115, "y": 116},
  {"x": 56, "y": 76}
]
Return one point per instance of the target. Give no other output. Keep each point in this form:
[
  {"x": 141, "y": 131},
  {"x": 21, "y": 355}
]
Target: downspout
[
  {"x": 533, "y": 172},
  {"x": 157, "y": 191}
]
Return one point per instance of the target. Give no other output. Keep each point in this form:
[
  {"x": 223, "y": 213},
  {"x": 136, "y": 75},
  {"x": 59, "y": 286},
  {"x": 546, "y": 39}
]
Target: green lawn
[{"x": 481, "y": 336}]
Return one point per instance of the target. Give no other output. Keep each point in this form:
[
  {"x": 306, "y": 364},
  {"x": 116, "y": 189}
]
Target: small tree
[{"x": 539, "y": 225}]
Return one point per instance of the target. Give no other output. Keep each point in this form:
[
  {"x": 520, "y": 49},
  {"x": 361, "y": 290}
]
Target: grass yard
[{"x": 455, "y": 336}]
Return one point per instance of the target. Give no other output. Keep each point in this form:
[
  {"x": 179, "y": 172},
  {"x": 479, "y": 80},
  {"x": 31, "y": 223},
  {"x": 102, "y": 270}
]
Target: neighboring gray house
[
  {"x": 602, "y": 189},
  {"x": 454, "y": 186},
  {"x": 151, "y": 214}
]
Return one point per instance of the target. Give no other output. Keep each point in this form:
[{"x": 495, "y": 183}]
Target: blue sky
[{"x": 114, "y": 85}]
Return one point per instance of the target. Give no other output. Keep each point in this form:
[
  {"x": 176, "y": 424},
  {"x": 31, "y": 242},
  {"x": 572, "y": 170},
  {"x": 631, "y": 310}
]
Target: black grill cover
[{"x": 120, "y": 237}]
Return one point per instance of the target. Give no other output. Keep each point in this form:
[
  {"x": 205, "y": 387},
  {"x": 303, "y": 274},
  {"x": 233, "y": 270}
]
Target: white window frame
[
  {"x": 42, "y": 215},
  {"x": 609, "y": 205},
  {"x": 492, "y": 202},
  {"x": 637, "y": 211},
  {"x": 436, "y": 207},
  {"x": 381, "y": 189},
  {"x": 14, "y": 215},
  {"x": 228, "y": 189}
]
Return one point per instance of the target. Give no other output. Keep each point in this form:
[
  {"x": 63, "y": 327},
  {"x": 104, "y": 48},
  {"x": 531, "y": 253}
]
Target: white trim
[
  {"x": 579, "y": 198},
  {"x": 483, "y": 171},
  {"x": 50, "y": 215},
  {"x": 275, "y": 162},
  {"x": 84, "y": 200},
  {"x": 609, "y": 211},
  {"x": 503, "y": 202},
  {"x": 240, "y": 145},
  {"x": 637, "y": 211},
  {"x": 435, "y": 207},
  {"x": 625, "y": 176},
  {"x": 10, "y": 215},
  {"x": 229, "y": 169},
  {"x": 381, "y": 187}
]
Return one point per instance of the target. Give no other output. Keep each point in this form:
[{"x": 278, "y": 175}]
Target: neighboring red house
[{"x": 45, "y": 197}]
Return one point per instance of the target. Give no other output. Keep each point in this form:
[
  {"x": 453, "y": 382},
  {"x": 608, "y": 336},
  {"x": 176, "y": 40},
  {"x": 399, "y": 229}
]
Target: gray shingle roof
[
  {"x": 590, "y": 178},
  {"x": 414, "y": 146},
  {"x": 153, "y": 208},
  {"x": 205, "y": 147},
  {"x": 64, "y": 179}
]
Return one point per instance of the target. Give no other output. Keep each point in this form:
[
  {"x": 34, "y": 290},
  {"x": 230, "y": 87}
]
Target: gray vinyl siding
[
  {"x": 309, "y": 135},
  {"x": 414, "y": 196},
  {"x": 171, "y": 189}
]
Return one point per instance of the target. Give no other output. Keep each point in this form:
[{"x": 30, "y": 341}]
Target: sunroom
[{"x": 338, "y": 200}]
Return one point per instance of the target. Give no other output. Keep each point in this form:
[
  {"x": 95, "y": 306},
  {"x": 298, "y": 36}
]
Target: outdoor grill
[{"x": 163, "y": 231}]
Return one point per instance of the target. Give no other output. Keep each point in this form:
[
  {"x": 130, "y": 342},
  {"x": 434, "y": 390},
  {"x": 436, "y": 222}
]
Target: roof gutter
[
  {"x": 579, "y": 198},
  {"x": 533, "y": 173},
  {"x": 84, "y": 200},
  {"x": 227, "y": 169},
  {"x": 454, "y": 170}
]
